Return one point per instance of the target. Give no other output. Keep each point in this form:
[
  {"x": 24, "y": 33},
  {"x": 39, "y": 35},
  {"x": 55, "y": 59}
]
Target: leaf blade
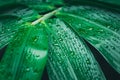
[
  {"x": 9, "y": 25},
  {"x": 101, "y": 37},
  {"x": 69, "y": 58},
  {"x": 29, "y": 54}
]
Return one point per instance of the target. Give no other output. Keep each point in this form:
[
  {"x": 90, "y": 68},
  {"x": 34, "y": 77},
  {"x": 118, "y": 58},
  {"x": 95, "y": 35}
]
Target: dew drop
[
  {"x": 90, "y": 29},
  {"x": 80, "y": 24},
  {"x": 28, "y": 69},
  {"x": 59, "y": 61},
  {"x": 35, "y": 38},
  {"x": 113, "y": 47},
  {"x": 60, "y": 39},
  {"x": 108, "y": 26},
  {"x": 56, "y": 44},
  {"x": 72, "y": 53},
  {"x": 58, "y": 54},
  {"x": 88, "y": 61},
  {"x": 101, "y": 30},
  {"x": 8, "y": 29},
  {"x": 11, "y": 36},
  {"x": 83, "y": 50}
]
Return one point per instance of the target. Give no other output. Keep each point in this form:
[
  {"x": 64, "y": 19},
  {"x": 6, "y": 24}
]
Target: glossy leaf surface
[
  {"x": 11, "y": 20},
  {"x": 26, "y": 55},
  {"x": 9, "y": 25},
  {"x": 24, "y": 25},
  {"x": 69, "y": 57},
  {"x": 98, "y": 29},
  {"x": 21, "y": 11}
]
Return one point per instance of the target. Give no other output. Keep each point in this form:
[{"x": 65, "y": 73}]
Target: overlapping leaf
[
  {"x": 11, "y": 20},
  {"x": 8, "y": 27},
  {"x": 99, "y": 27},
  {"x": 21, "y": 11},
  {"x": 26, "y": 55},
  {"x": 69, "y": 57}
]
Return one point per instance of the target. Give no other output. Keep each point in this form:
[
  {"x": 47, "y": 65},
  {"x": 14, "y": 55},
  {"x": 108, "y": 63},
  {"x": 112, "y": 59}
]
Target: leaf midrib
[{"x": 46, "y": 16}]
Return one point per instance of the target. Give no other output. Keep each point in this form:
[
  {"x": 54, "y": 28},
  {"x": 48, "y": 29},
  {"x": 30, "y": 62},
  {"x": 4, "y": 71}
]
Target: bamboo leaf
[
  {"x": 104, "y": 38},
  {"x": 12, "y": 19},
  {"x": 69, "y": 57},
  {"x": 35, "y": 28},
  {"x": 9, "y": 25},
  {"x": 26, "y": 55},
  {"x": 21, "y": 11}
]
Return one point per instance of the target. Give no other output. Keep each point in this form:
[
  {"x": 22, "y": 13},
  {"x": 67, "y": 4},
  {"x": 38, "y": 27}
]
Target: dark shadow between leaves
[{"x": 108, "y": 71}]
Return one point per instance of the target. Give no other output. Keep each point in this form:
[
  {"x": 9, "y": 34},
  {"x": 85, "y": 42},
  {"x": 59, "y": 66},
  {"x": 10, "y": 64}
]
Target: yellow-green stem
[{"x": 46, "y": 16}]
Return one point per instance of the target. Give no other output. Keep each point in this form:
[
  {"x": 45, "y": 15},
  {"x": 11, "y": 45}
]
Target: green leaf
[
  {"x": 11, "y": 20},
  {"x": 69, "y": 56},
  {"x": 9, "y": 25},
  {"x": 26, "y": 55},
  {"x": 21, "y": 11},
  {"x": 100, "y": 28}
]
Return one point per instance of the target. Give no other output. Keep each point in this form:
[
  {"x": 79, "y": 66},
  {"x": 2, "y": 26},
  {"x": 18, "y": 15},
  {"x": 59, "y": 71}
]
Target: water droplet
[
  {"x": 35, "y": 38},
  {"x": 58, "y": 54},
  {"x": 108, "y": 26},
  {"x": 83, "y": 50},
  {"x": 60, "y": 61},
  {"x": 79, "y": 25},
  {"x": 101, "y": 30},
  {"x": 113, "y": 47},
  {"x": 28, "y": 69},
  {"x": 56, "y": 44},
  {"x": 11, "y": 36},
  {"x": 60, "y": 39},
  {"x": 88, "y": 61},
  {"x": 90, "y": 28},
  {"x": 72, "y": 53},
  {"x": 8, "y": 29}
]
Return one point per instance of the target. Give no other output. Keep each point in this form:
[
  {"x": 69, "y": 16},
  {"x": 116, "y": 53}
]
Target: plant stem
[{"x": 46, "y": 16}]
